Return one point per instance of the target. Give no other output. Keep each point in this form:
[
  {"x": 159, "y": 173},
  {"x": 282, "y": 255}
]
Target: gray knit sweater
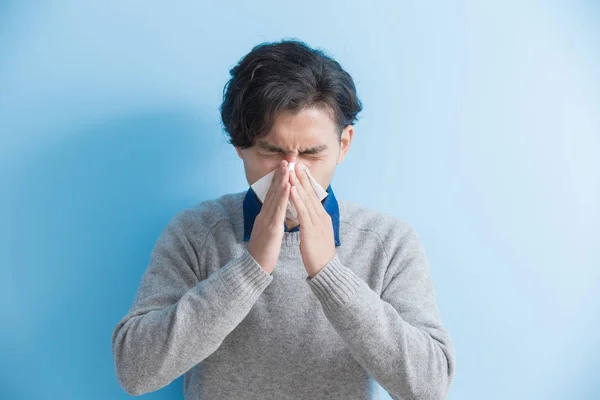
[{"x": 205, "y": 308}]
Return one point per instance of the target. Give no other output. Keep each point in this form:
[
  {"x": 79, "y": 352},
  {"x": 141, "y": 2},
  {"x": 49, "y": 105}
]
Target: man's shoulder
[
  {"x": 205, "y": 214},
  {"x": 387, "y": 226}
]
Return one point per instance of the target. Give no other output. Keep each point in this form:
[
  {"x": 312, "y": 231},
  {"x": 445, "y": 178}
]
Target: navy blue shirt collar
[{"x": 252, "y": 207}]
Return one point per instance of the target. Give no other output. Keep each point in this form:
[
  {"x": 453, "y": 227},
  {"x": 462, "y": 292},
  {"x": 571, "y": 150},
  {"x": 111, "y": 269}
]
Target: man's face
[{"x": 309, "y": 137}]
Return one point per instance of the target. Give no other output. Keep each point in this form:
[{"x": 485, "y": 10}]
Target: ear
[
  {"x": 345, "y": 140},
  {"x": 239, "y": 152}
]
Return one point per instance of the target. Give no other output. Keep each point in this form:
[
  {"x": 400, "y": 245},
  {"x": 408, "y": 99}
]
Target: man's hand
[
  {"x": 317, "y": 242},
  {"x": 267, "y": 233}
]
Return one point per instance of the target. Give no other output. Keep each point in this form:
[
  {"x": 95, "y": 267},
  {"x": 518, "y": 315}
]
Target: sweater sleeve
[
  {"x": 176, "y": 319},
  {"x": 397, "y": 337}
]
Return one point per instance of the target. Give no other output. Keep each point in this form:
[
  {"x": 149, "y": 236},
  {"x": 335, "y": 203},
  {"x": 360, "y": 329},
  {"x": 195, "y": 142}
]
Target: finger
[
  {"x": 301, "y": 198},
  {"x": 308, "y": 194},
  {"x": 277, "y": 211},
  {"x": 273, "y": 189},
  {"x": 316, "y": 201},
  {"x": 282, "y": 206},
  {"x": 303, "y": 214}
]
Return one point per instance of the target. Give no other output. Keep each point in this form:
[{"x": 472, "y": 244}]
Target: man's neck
[{"x": 291, "y": 224}]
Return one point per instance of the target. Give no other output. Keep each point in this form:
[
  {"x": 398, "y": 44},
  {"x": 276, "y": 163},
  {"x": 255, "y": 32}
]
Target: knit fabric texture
[{"x": 207, "y": 310}]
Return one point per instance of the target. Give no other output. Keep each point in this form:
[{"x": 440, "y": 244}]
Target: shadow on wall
[{"x": 84, "y": 216}]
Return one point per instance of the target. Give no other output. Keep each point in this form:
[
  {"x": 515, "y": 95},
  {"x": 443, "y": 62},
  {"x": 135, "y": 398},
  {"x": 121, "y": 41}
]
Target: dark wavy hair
[{"x": 284, "y": 76}]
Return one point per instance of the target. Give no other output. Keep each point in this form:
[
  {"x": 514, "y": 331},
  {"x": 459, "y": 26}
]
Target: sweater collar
[{"x": 252, "y": 207}]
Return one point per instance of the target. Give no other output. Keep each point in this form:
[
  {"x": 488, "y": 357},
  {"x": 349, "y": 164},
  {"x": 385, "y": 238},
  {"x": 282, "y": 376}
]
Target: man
[{"x": 249, "y": 304}]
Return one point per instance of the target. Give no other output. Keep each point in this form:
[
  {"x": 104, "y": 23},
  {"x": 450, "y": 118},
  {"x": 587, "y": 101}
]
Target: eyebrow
[{"x": 310, "y": 150}]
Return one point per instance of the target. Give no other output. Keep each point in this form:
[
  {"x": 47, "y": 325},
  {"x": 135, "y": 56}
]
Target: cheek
[
  {"x": 321, "y": 164},
  {"x": 263, "y": 167},
  {"x": 268, "y": 165},
  {"x": 322, "y": 170},
  {"x": 319, "y": 171}
]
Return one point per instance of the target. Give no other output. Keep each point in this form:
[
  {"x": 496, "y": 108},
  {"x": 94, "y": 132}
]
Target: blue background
[{"x": 481, "y": 128}]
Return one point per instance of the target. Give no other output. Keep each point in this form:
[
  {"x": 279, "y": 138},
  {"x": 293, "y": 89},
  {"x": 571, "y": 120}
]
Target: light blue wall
[{"x": 481, "y": 127}]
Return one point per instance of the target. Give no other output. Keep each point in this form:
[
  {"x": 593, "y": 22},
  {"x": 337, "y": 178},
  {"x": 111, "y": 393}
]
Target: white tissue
[{"x": 261, "y": 187}]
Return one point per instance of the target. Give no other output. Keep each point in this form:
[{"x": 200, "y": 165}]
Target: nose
[{"x": 291, "y": 158}]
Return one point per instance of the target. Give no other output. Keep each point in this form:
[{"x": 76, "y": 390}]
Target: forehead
[{"x": 307, "y": 128}]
